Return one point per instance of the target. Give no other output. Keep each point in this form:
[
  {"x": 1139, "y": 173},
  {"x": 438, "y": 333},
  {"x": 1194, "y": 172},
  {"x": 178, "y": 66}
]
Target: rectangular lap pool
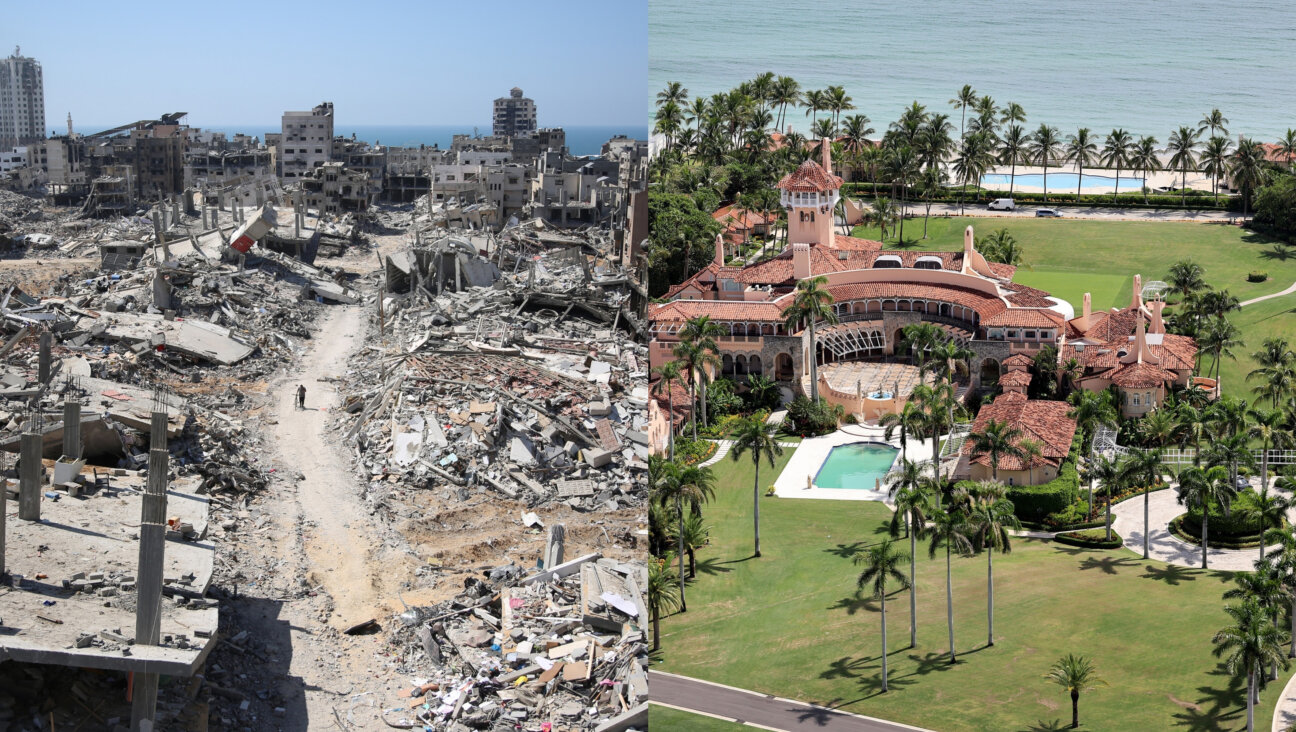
[{"x": 857, "y": 466}]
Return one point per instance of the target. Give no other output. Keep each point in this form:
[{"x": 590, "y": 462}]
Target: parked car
[
  {"x": 1047, "y": 213},
  {"x": 1003, "y": 204}
]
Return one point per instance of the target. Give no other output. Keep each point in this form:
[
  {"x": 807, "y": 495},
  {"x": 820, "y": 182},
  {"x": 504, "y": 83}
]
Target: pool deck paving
[{"x": 812, "y": 451}]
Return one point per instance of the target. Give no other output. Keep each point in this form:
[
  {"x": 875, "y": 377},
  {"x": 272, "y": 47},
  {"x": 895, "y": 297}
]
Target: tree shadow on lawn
[
  {"x": 852, "y": 604},
  {"x": 1279, "y": 252},
  {"x": 848, "y": 551},
  {"x": 713, "y": 566},
  {"x": 1217, "y": 705},
  {"x": 1109, "y": 564},
  {"x": 1171, "y": 574},
  {"x": 1074, "y": 551},
  {"x": 1050, "y": 726}
]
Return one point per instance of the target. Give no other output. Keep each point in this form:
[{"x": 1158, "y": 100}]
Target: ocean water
[
  {"x": 1063, "y": 182},
  {"x": 581, "y": 140},
  {"x": 1145, "y": 66}
]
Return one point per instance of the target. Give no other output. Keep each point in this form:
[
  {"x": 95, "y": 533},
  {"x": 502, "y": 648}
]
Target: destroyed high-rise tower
[
  {"x": 22, "y": 101},
  {"x": 514, "y": 115}
]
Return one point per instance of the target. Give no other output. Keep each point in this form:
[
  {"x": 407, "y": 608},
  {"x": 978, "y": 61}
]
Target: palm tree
[
  {"x": 755, "y": 437},
  {"x": 992, "y": 518},
  {"x": 700, "y": 333},
  {"x": 786, "y": 92},
  {"x": 694, "y": 534},
  {"x": 965, "y": 98},
  {"x": 1270, "y": 509},
  {"x": 815, "y": 100},
  {"x": 1107, "y": 472},
  {"x": 1081, "y": 150},
  {"x": 679, "y": 483},
  {"x": 1012, "y": 112},
  {"x": 1276, "y": 371},
  {"x": 1143, "y": 157},
  {"x": 920, "y": 339},
  {"x": 674, "y": 93},
  {"x": 1268, "y": 427},
  {"x": 1248, "y": 170},
  {"x": 1265, "y": 587},
  {"x": 1075, "y": 674},
  {"x": 1248, "y": 645},
  {"x": 975, "y": 156},
  {"x": 997, "y": 440},
  {"x": 1031, "y": 450},
  {"x": 1186, "y": 277},
  {"x": 908, "y": 421},
  {"x": 1044, "y": 147},
  {"x": 811, "y": 303},
  {"x": 663, "y": 593},
  {"x": 1142, "y": 467},
  {"x": 1287, "y": 146},
  {"x": 838, "y": 102},
  {"x": 903, "y": 167},
  {"x": 1214, "y": 120},
  {"x": 881, "y": 568},
  {"x": 949, "y": 529},
  {"x": 1012, "y": 148},
  {"x": 1183, "y": 144},
  {"x": 1202, "y": 488},
  {"x": 1116, "y": 151},
  {"x": 938, "y": 401},
  {"x": 856, "y": 132},
  {"x": 670, "y": 375},
  {"x": 1284, "y": 560},
  {"x": 1215, "y": 161},
  {"x": 914, "y": 499}
]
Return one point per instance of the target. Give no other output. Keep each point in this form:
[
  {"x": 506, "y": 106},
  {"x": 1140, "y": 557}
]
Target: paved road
[{"x": 759, "y": 709}]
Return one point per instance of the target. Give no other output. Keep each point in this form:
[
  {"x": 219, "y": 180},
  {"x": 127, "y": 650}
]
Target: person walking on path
[{"x": 301, "y": 396}]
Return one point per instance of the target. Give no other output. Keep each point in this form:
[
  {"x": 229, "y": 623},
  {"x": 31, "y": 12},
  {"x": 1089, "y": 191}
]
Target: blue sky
[{"x": 379, "y": 62}]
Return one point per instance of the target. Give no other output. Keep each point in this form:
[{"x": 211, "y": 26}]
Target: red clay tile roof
[
  {"x": 986, "y": 305},
  {"x": 1025, "y": 318},
  {"x": 1041, "y": 420},
  {"x": 737, "y": 218},
  {"x": 1139, "y": 375},
  {"x": 855, "y": 244},
  {"x": 1015, "y": 378},
  {"x": 737, "y": 310},
  {"x": 1018, "y": 359},
  {"x": 809, "y": 177}
]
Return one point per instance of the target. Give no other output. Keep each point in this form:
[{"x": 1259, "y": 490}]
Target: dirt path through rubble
[{"x": 338, "y": 531}]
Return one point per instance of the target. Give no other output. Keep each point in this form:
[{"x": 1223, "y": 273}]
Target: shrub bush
[
  {"x": 1257, "y": 276},
  {"x": 1239, "y": 523},
  {"x": 1035, "y": 502},
  {"x": 692, "y": 452},
  {"x": 811, "y": 419},
  {"x": 1191, "y": 533},
  {"x": 1089, "y": 539}
]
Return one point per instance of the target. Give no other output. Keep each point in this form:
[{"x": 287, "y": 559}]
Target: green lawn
[
  {"x": 791, "y": 624},
  {"x": 1070, "y": 257},
  {"x": 665, "y": 718}
]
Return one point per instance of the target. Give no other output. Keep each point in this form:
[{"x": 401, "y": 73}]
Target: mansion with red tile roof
[{"x": 876, "y": 293}]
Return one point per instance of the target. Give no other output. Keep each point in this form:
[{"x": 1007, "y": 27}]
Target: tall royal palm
[
  {"x": 670, "y": 375},
  {"x": 1142, "y": 468},
  {"x": 1044, "y": 147},
  {"x": 1106, "y": 472},
  {"x": 1081, "y": 149},
  {"x": 838, "y": 101},
  {"x": 1287, "y": 146},
  {"x": 949, "y": 530},
  {"x": 756, "y": 438},
  {"x": 882, "y": 569},
  {"x": 1249, "y": 644},
  {"x": 810, "y": 304},
  {"x": 1116, "y": 153},
  {"x": 701, "y": 332},
  {"x": 786, "y": 93},
  {"x": 1215, "y": 161},
  {"x": 992, "y": 520},
  {"x": 1012, "y": 150},
  {"x": 1183, "y": 147},
  {"x": 1186, "y": 278},
  {"x": 1248, "y": 170},
  {"x": 914, "y": 496},
  {"x": 909, "y": 421},
  {"x": 1275, "y": 373},
  {"x": 673, "y": 93},
  {"x": 1215, "y": 121},
  {"x": 997, "y": 440},
  {"x": 1202, "y": 489},
  {"x": 1269, "y": 428},
  {"x": 965, "y": 98},
  {"x": 1145, "y": 158}
]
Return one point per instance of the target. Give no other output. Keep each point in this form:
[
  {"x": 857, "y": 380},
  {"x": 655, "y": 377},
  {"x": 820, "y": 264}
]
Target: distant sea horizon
[
  {"x": 581, "y": 139},
  {"x": 1146, "y": 67}
]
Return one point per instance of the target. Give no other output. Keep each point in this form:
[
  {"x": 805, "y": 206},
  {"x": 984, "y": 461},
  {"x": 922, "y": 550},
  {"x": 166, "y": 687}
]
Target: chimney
[
  {"x": 1136, "y": 299},
  {"x": 801, "y": 260},
  {"x": 1158, "y": 325},
  {"x": 1087, "y": 307},
  {"x": 967, "y": 250},
  {"x": 1140, "y": 353},
  {"x": 720, "y": 249},
  {"x": 825, "y": 147}
]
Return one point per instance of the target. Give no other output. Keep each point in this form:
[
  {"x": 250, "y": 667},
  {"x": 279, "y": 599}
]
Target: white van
[{"x": 1003, "y": 204}]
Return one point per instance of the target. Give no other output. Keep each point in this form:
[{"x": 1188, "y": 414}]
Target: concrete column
[
  {"x": 4, "y": 507},
  {"x": 152, "y": 551},
  {"x": 44, "y": 364},
  {"x": 175, "y": 209},
  {"x": 29, "y": 487},
  {"x": 554, "y": 547},
  {"x": 72, "y": 430},
  {"x": 204, "y": 216}
]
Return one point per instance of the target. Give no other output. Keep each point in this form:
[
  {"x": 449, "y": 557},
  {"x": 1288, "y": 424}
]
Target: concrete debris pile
[{"x": 562, "y": 649}]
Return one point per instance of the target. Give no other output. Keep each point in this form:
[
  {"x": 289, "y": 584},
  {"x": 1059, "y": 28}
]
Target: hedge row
[
  {"x": 1238, "y": 524},
  {"x": 1193, "y": 536},
  {"x": 1194, "y": 201},
  {"x": 1034, "y": 502},
  {"x": 1089, "y": 539}
]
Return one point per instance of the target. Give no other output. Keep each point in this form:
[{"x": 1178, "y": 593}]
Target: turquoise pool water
[
  {"x": 857, "y": 466},
  {"x": 1064, "y": 182}
]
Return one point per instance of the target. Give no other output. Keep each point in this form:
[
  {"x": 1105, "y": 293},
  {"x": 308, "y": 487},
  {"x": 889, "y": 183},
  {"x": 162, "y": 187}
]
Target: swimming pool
[
  {"x": 1063, "y": 182},
  {"x": 857, "y": 466}
]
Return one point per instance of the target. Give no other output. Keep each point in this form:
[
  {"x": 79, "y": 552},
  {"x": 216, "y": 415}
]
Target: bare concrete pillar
[
  {"x": 4, "y": 505},
  {"x": 554, "y": 547},
  {"x": 152, "y": 551},
  {"x": 44, "y": 363},
  {"x": 204, "y": 216},
  {"x": 29, "y": 470},
  {"x": 72, "y": 429}
]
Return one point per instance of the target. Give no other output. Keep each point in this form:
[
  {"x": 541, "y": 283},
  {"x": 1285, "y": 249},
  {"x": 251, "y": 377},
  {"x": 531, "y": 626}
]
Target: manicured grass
[
  {"x": 790, "y": 623},
  {"x": 1268, "y": 319},
  {"x": 665, "y": 718}
]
